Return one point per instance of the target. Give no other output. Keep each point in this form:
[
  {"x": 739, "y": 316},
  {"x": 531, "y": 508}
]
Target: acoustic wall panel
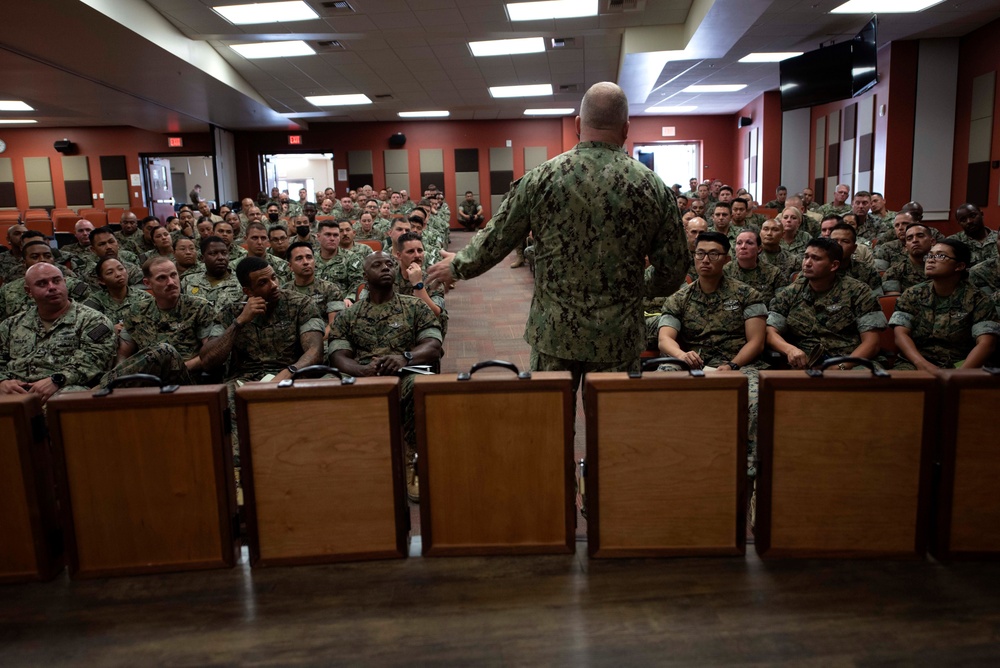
[
  {"x": 8, "y": 200},
  {"x": 534, "y": 156},
  {"x": 501, "y": 174},
  {"x": 76, "y": 180},
  {"x": 38, "y": 178},
  {"x": 795, "y": 149},
  {"x": 397, "y": 169},
  {"x": 980, "y": 139},
  {"x": 848, "y": 144},
  {"x": 934, "y": 127},
  {"x": 865, "y": 161},
  {"x": 466, "y": 174},
  {"x": 832, "y": 152},
  {"x": 114, "y": 181},
  {"x": 359, "y": 169},
  {"x": 819, "y": 163},
  {"x": 431, "y": 169}
]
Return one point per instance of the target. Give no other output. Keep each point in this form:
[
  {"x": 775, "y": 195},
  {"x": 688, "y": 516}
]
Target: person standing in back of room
[{"x": 595, "y": 215}]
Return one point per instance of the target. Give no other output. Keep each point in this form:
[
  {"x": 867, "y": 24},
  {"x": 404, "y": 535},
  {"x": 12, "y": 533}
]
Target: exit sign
[
  {"x": 175, "y": 142},
  {"x": 295, "y": 140}
]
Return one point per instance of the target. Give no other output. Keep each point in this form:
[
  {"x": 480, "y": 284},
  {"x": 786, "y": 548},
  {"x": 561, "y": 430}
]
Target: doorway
[
  {"x": 290, "y": 172},
  {"x": 169, "y": 180},
  {"x": 674, "y": 161}
]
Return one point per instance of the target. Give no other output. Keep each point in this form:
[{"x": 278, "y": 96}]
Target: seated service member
[
  {"x": 794, "y": 239},
  {"x": 470, "y": 212},
  {"x": 773, "y": 253},
  {"x": 340, "y": 267},
  {"x": 216, "y": 282},
  {"x": 347, "y": 239},
  {"x": 910, "y": 271},
  {"x": 14, "y": 296},
  {"x": 103, "y": 243},
  {"x": 114, "y": 295},
  {"x": 257, "y": 244},
  {"x": 945, "y": 322},
  {"x": 986, "y": 274},
  {"x": 823, "y": 314},
  {"x": 54, "y": 344},
  {"x": 847, "y": 237},
  {"x": 381, "y": 334},
  {"x": 981, "y": 240},
  {"x": 747, "y": 268},
  {"x": 165, "y": 335},
  {"x": 327, "y": 297},
  {"x": 717, "y": 322}
]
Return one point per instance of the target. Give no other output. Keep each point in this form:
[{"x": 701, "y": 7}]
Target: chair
[
  {"x": 967, "y": 513},
  {"x": 371, "y": 243},
  {"x": 323, "y": 492},
  {"x": 35, "y": 214},
  {"x": 115, "y": 215},
  {"x": 43, "y": 225},
  {"x": 853, "y": 487},
  {"x": 30, "y": 548},
  {"x": 9, "y": 217},
  {"x": 495, "y": 462},
  {"x": 146, "y": 479},
  {"x": 676, "y": 491},
  {"x": 65, "y": 222},
  {"x": 98, "y": 217},
  {"x": 140, "y": 211}
]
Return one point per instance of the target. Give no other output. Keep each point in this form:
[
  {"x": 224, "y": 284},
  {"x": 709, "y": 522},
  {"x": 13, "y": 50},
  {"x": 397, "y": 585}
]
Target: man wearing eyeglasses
[
  {"x": 909, "y": 271},
  {"x": 945, "y": 321},
  {"x": 823, "y": 314},
  {"x": 717, "y": 322}
]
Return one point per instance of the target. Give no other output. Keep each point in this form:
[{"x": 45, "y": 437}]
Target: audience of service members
[{"x": 277, "y": 283}]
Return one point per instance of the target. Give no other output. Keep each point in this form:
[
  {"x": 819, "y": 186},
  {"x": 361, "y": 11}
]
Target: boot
[
  {"x": 519, "y": 262},
  {"x": 412, "y": 481}
]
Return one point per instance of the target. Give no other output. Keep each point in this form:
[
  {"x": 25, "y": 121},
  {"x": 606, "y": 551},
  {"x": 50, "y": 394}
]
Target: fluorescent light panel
[
  {"x": 769, "y": 57},
  {"x": 551, "y": 9},
  {"x": 549, "y": 112},
  {"x": 338, "y": 100},
  {"x": 507, "y": 47},
  {"x": 14, "y": 105},
  {"x": 266, "y": 12},
  {"x": 529, "y": 90},
  {"x": 13, "y": 121},
  {"x": 424, "y": 114},
  {"x": 682, "y": 109},
  {"x": 884, "y": 6},
  {"x": 258, "y": 50},
  {"x": 714, "y": 88}
]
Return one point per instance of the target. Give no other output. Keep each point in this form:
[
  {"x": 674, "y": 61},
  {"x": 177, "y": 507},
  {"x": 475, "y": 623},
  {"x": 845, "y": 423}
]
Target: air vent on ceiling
[
  {"x": 563, "y": 42},
  {"x": 338, "y": 4},
  {"x": 328, "y": 45},
  {"x": 333, "y": 8},
  {"x": 569, "y": 88},
  {"x": 383, "y": 96},
  {"x": 619, "y": 6}
]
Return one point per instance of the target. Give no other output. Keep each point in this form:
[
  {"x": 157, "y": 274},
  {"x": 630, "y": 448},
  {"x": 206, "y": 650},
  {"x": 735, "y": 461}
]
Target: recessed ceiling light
[
  {"x": 507, "y": 47},
  {"x": 266, "y": 12},
  {"x": 551, "y": 9},
  {"x": 772, "y": 57},
  {"x": 714, "y": 88},
  {"x": 14, "y": 105},
  {"x": 549, "y": 112},
  {"x": 682, "y": 109},
  {"x": 257, "y": 50},
  {"x": 338, "y": 100},
  {"x": 12, "y": 121},
  {"x": 529, "y": 90},
  {"x": 424, "y": 114},
  {"x": 884, "y": 6}
]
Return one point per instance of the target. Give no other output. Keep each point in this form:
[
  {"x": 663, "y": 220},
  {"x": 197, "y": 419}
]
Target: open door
[{"x": 161, "y": 195}]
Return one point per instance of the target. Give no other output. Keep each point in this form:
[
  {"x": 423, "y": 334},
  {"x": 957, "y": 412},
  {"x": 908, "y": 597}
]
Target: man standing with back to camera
[{"x": 595, "y": 215}]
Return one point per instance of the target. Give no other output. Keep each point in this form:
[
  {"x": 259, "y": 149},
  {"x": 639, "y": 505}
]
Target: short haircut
[
  {"x": 729, "y": 188},
  {"x": 298, "y": 244},
  {"x": 862, "y": 193},
  {"x": 724, "y": 205},
  {"x": 604, "y": 107},
  {"x": 780, "y": 188},
  {"x": 276, "y": 228},
  {"x": 829, "y": 246},
  {"x": 247, "y": 266},
  {"x": 468, "y": 192},
  {"x": 406, "y": 237},
  {"x": 147, "y": 266},
  {"x": 713, "y": 237},
  {"x": 743, "y": 200},
  {"x": 181, "y": 237},
  {"x": 150, "y": 219},
  {"x": 832, "y": 216},
  {"x": 216, "y": 224},
  {"x": 256, "y": 226},
  {"x": 962, "y": 251},
  {"x": 329, "y": 223},
  {"x": 211, "y": 239},
  {"x": 100, "y": 231},
  {"x": 844, "y": 227},
  {"x": 34, "y": 242},
  {"x": 102, "y": 261},
  {"x": 756, "y": 235},
  {"x": 917, "y": 225}
]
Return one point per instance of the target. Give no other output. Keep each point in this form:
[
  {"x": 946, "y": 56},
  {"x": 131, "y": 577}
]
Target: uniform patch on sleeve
[
  {"x": 99, "y": 333},
  {"x": 79, "y": 290}
]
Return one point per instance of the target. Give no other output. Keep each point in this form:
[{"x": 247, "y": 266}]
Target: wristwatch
[
  {"x": 408, "y": 355},
  {"x": 842, "y": 366},
  {"x": 419, "y": 286},
  {"x": 59, "y": 379},
  {"x": 292, "y": 368},
  {"x": 733, "y": 365}
]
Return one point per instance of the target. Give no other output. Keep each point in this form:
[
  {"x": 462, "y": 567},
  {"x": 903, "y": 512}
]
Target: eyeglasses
[
  {"x": 938, "y": 256},
  {"x": 714, "y": 256}
]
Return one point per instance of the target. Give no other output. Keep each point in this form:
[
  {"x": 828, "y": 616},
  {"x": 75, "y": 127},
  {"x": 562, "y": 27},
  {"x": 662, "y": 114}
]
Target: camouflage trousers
[
  {"x": 407, "y": 414},
  {"x": 539, "y": 361},
  {"x": 161, "y": 360}
]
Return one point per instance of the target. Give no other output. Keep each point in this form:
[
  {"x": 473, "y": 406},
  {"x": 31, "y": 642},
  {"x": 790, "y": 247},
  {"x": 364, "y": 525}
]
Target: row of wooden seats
[
  {"x": 64, "y": 219},
  {"x": 849, "y": 463}
]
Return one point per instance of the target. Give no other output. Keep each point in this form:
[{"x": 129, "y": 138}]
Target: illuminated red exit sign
[
  {"x": 295, "y": 140},
  {"x": 175, "y": 142}
]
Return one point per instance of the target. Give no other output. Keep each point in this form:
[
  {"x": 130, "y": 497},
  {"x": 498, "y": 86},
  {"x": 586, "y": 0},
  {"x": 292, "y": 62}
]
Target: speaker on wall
[
  {"x": 397, "y": 140},
  {"x": 745, "y": 121},
  {"x": 64, "y": 146}
]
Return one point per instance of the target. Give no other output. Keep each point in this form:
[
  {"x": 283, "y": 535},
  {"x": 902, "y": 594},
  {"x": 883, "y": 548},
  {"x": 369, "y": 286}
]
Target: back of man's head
[{"x": 604, "y": 107}]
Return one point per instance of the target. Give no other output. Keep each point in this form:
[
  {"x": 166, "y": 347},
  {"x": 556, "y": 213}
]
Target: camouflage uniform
[
  {"x": 986, "y": 276},
  {"x": 14, "y": 299},
  {"x": 280, "y": 267},
  {"x": 888, "y": 254},
  {"x": 763, "y": 278},
  {"x": 783, "y": 260},
  {"x": 11, "y": 267},
  {"x": 873, "y": 228},
  {"x": 944, "y": 329},
  {"x": 165, "y": 340},
  {"x": 372, "y": 235},
  {"x": 902, "y": 275},
  {"x": 137, "y": 244},
  {"x": 798, "y": 246},
  {"x": 834, "y": 319},
  {"x": 80, "y": 344},
  {"x": 361, "y": 250},
  {"x": 392, "y": 328},
  {"x": 981, "y": 250},
  {"x": 271, "y": 342},
  {"x": 225, "y": 291},
  {"x": 860, "y": 271},
  {"x": 343, "y": 269},
  {"x": 236, "y": 253},
  {"x": 126, "y": 242},
  {"x": 75, "y": 251},
  {"x": 830, "y": 207},
  {"x": 327, "y": 297},
  {"x": 101, "y": 301},
  {"x": 85, "y": 267},
  {"x": 715, "y": 325},
  {"x": 595, "y": 214}
]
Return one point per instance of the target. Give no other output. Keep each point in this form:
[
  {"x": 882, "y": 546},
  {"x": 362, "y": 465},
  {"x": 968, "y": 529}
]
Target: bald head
[
  {"x": 42, "y": 269},
  {"x": 603, "y": 114}
]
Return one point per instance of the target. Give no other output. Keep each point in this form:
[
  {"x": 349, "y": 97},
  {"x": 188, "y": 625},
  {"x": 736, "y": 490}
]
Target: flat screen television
[{"x": 831, "y": 73}]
